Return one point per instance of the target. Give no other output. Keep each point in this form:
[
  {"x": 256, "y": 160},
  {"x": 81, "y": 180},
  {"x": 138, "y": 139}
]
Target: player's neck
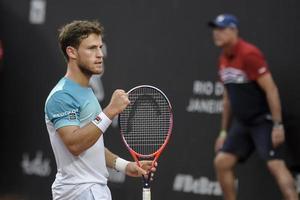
[
  {"x": 229, "y": 47},
  {"x": 74, "y": 73}
]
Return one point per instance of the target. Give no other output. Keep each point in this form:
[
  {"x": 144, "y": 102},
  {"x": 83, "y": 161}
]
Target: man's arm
[
  {"x": 110, "y": 159},
  {"x": 268, "y": 85},
  {"x": 226, "y": 111},
  {"x": 79, "y": 139},
  {"x": 224, "y": 121}
]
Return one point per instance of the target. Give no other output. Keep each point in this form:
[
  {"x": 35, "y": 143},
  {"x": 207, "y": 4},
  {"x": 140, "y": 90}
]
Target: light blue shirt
[{"x": 70, "y": 104}]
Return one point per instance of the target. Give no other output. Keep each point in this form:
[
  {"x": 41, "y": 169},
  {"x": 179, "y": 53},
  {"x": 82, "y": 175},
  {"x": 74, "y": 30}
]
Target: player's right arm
[
  {"x": 78, "y": 139},
  {"x": 224, "y": 121}
]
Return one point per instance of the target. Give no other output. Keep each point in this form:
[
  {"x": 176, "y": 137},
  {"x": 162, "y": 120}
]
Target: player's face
[
  {"x": 90, "y": 55},
  {"x": 223, "y": 36}
]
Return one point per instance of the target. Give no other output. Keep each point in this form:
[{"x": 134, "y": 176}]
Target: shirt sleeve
[
  {"x": 255, "y": 65},
  {"x": 63, "y": 110}
]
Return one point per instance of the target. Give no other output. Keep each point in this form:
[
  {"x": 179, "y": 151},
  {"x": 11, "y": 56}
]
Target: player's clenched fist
[{"x": 118, "y": 102}]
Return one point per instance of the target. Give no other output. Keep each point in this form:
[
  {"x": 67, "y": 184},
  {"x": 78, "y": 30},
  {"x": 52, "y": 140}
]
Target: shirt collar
[{"x": 234, "y": 50}]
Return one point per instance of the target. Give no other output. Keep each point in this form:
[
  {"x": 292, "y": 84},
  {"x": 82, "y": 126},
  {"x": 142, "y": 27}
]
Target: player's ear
[{"x": 71, "y": 52}]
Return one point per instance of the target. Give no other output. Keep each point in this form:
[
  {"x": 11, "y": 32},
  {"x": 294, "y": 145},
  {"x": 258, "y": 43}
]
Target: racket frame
[{"x": 136, "y": 156}]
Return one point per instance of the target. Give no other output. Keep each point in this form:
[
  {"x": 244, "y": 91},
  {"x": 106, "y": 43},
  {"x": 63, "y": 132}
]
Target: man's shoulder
[
  {"x": 60, "y": 92},
  {"x": 59, "y": 98},
  {"x": 247, "y": 48}
]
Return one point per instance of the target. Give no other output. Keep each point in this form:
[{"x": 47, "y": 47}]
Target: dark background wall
[{"x": 162, "y": 43}]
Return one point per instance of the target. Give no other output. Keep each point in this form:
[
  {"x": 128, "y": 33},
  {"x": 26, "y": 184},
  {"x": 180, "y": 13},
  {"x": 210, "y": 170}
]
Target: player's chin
[
  {"x": 219, "y": 43},
  {"x": 98, "y": 70}
]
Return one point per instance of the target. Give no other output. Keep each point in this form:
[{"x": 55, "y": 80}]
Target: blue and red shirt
[{"x": 239, "y": 71}]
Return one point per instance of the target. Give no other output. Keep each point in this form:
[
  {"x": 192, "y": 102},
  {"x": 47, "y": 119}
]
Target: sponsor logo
[
  {"x": 233, "y": 75},
  {"x": 72, "y": 116},
  {"x": 37, "y": 12},
  {"x": 206, "y": 97},
  {"x": 272, "y": 153},
  {"x": 201, "y": 186},
  {"x": 37, "y": 166},
  {"x": 97, "y": 120},
  {"x": 220, "y": 18},
  {"x": 65, "y": 113}
]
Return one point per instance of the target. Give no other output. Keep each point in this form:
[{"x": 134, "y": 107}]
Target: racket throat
[
  {"x": 146, "y": 185},
  {"x": 147, "y": 180}
]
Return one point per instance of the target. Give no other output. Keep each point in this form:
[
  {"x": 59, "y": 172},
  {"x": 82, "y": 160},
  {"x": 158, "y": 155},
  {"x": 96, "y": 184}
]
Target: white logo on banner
[
  {"x": 37, "y": 166},
  {"x": 37, "y": 12},
  {"x": 206, "y": 97},
  {"x": 202, "y": 186}
]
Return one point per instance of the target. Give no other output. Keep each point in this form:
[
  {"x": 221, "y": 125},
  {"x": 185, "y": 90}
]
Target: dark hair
[{"x": 73, "y": 33}]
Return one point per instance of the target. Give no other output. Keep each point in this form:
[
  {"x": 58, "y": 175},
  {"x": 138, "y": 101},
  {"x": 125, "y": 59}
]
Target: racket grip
[{"x": 146, "y": 194}]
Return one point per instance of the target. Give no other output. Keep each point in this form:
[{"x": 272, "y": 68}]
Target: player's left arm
[
  {"x": 110, "y": 158},
  {"x": 267, "y": 83},
  {"x": 129, "y": 168},
  {"x": 258, "y": 70}
]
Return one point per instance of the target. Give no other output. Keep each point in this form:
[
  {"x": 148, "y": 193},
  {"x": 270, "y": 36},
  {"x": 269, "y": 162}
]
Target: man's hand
[
  {"x": 219, "y": 143},
  {"x": 278, "y": 136},
  {"x": 118, "y": 102},
  {"x": 134, "y": 170},
  {"x": 220, "y": 140}
]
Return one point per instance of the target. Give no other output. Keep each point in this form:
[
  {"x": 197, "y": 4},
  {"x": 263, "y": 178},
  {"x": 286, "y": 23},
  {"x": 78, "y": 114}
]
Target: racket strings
[{"x": 145, "y": 122}]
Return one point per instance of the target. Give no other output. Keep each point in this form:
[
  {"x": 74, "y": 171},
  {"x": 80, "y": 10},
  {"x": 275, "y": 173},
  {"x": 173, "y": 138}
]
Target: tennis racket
[{"x": 145, "y": 126}]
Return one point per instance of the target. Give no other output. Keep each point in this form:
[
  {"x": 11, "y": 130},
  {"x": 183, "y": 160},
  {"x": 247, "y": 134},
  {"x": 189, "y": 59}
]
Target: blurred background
[{"x": 162, "y": 43}]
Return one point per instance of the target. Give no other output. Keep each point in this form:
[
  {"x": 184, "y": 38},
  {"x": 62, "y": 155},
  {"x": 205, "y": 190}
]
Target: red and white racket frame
[{"x": 136, "y": 156}]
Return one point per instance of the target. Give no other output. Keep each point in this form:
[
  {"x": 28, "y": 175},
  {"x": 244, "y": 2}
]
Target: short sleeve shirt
[
  {"x": 70, "y": 104},
  {"x": 239, "y": 71}
]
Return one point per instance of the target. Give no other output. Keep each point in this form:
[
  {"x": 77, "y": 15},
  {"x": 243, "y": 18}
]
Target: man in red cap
[{"x": 251, "y": 98}]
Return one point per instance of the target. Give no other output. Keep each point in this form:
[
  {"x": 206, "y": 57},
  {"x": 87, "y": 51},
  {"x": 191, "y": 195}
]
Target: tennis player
[
  {"x": 251, "y": 97},
  {"x": 76, "y": 123}
]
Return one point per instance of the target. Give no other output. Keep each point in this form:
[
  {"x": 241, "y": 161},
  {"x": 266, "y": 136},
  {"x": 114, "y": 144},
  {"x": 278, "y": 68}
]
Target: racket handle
[{"x": 146, "y": 194}]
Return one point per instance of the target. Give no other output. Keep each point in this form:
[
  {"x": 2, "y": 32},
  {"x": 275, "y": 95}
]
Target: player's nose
[{"x": 100, "y": 53}]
